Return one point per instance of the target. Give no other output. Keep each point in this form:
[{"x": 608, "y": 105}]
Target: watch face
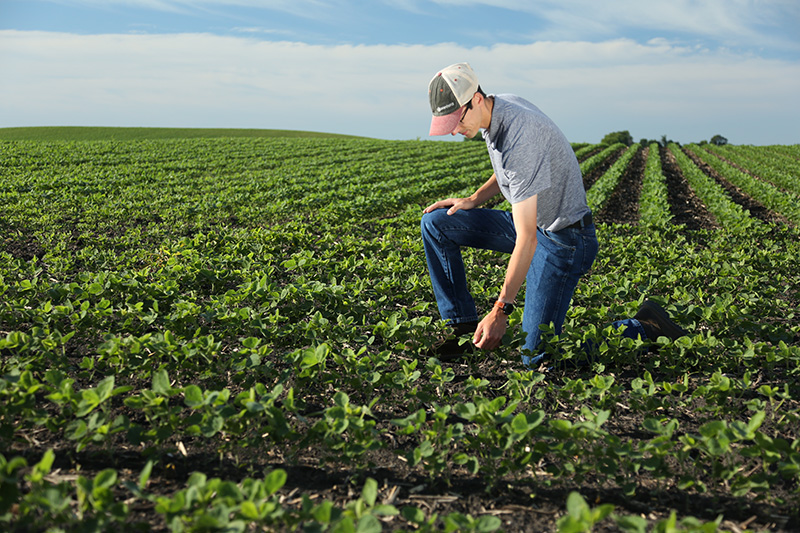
[{"x": 507, "y": 308}]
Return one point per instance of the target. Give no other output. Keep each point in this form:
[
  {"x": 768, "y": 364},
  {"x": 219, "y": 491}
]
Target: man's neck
[{"x": 488, "y": 103}]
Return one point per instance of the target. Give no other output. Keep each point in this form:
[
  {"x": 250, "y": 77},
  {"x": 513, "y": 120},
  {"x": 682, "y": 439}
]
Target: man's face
[{"x": 470, "y": 121}]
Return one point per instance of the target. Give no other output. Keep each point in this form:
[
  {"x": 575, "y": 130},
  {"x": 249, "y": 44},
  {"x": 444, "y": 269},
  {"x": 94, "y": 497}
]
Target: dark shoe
[
  {"x": 656, "y": 322},
  {"x": 453, "y": 348},
  {"x": 466, "y": 328}
]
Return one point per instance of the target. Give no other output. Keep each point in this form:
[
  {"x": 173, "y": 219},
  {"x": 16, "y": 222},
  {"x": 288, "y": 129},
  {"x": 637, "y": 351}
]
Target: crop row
[
  {"x": 602, "y": 188},
  {"x": 727, "y": 212},
  {"x": 590, "y": 163},
  {"x": 785, "y": 203},
  {"x": 93, "y": 504},
  {"x": 654, "y": 199},
  {"x": 489, "y": 436},
  {"x": 778, "y": 168}
]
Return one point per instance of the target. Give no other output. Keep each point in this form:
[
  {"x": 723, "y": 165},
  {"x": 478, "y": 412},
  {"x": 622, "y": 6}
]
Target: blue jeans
[{"x": 561, "y": 258}]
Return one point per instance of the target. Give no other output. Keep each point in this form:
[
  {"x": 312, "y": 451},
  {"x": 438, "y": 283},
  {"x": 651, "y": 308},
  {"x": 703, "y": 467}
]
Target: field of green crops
[{"x": 230, "y": 334}]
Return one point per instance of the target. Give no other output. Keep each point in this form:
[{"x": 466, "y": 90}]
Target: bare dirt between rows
[
  {"x": 623, "y": 205},
  {"x": 599, "y": 170},
  {"x": 685, "y": 207},
  {"x": 18, "y": 242}
]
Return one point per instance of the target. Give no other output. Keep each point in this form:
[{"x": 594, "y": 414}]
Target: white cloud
[{"x": 203, "y": 80}]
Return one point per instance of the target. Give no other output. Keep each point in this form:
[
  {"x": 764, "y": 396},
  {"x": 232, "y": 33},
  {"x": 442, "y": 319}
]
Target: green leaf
[
  {"x": 105, "y": 479},
  {"x": 144, "y": 476},
  {"x": 105, "y": 388},
  {"x": 40, "y": 469},
  {"x": 249, "y": 510},
  {"x": 370, "y": 492},
  {"x": 161, "y": 382},
  {"x": 535, "y": 418},
  {"x": 602, "y": 511},
  {"x": 466, "y": 410},
  {"x": 632, "y": 524},
  {"x": 95, "y": 289},
  {"x": 519, "y": 424},
  {"x": 193, "y": 396},
  {"x": 90, "y": 399},
  {"x": 369, "y": 524},
  {"x": 323, "y": 513},
  {"x": 75, "y": 430},
  {"x": 212, "y": 426},
  {"x": 653, "y": 425},
  {"x": 473, "y": 465},
  {"x": 576, "y": 505},
  {"x": 341, "y": 399},
  {"x": 713, "y": 428},
  {"x": 274, "y": 481},
  {"x": 385, "y": 510},
  {"x": 487, "y": 523},
  {"x": 413, "y": 515},
  {"x": 755, "y": 423}
]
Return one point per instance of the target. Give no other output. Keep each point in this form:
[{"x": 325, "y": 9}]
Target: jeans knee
[{"x": 429, "y": 222}]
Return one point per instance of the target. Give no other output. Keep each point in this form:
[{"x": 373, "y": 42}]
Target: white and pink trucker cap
[{"x": 448, "y": 91}]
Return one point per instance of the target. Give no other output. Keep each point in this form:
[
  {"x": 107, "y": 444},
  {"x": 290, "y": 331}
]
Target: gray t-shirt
[{"x": 530, "y": 155}]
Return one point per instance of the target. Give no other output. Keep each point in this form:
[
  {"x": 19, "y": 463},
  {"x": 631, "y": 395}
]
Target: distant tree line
[{"x": 626, "y": 138}]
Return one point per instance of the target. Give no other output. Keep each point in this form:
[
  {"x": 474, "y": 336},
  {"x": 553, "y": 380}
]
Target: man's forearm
[
  {"x": 491, "y": 329},
  {"x": 487, "y": 191},
  {"x": 517, "y": 270},
  {"x": 524, "y": 214},
  {"x": 489, "y": 333}
]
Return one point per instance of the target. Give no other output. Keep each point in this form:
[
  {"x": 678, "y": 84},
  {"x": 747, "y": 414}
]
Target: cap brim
[{"x": 445, "y": 124}]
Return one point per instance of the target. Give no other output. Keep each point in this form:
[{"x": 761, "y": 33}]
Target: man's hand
[
  {"x": 455, "y": 204},
  {"x": 490, "y": 330},
  {"x": 488, "y": 190}
]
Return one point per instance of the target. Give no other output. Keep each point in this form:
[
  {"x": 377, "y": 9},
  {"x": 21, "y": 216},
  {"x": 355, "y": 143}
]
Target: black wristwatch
[{"x": 505, "y": 307}]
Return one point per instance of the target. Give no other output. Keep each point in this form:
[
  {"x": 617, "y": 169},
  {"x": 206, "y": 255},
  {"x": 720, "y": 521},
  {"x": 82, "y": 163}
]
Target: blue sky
[{"x": 681, "y": 68}]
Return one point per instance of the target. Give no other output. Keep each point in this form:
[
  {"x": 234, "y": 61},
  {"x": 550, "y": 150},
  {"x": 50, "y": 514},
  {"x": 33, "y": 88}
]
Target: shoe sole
[
  {"x": 666, "y": 323},
  {"x": 451, "y": 350}
]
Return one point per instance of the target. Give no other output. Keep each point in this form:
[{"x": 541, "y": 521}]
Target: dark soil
[
  {"x": 623, "y": 205},
  {"x": 685, "y": 207},
  {"x": 599, "y": 170},
  {"x": 19, "y": 242}
]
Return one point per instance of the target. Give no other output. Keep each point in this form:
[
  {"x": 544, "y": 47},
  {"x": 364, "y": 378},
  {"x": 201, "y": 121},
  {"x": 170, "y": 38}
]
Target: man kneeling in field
[{"x": 549, "y": 231}]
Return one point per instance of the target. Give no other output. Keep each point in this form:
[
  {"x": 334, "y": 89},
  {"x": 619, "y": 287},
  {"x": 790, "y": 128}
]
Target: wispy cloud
[{"x": 770, "y": 23}]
